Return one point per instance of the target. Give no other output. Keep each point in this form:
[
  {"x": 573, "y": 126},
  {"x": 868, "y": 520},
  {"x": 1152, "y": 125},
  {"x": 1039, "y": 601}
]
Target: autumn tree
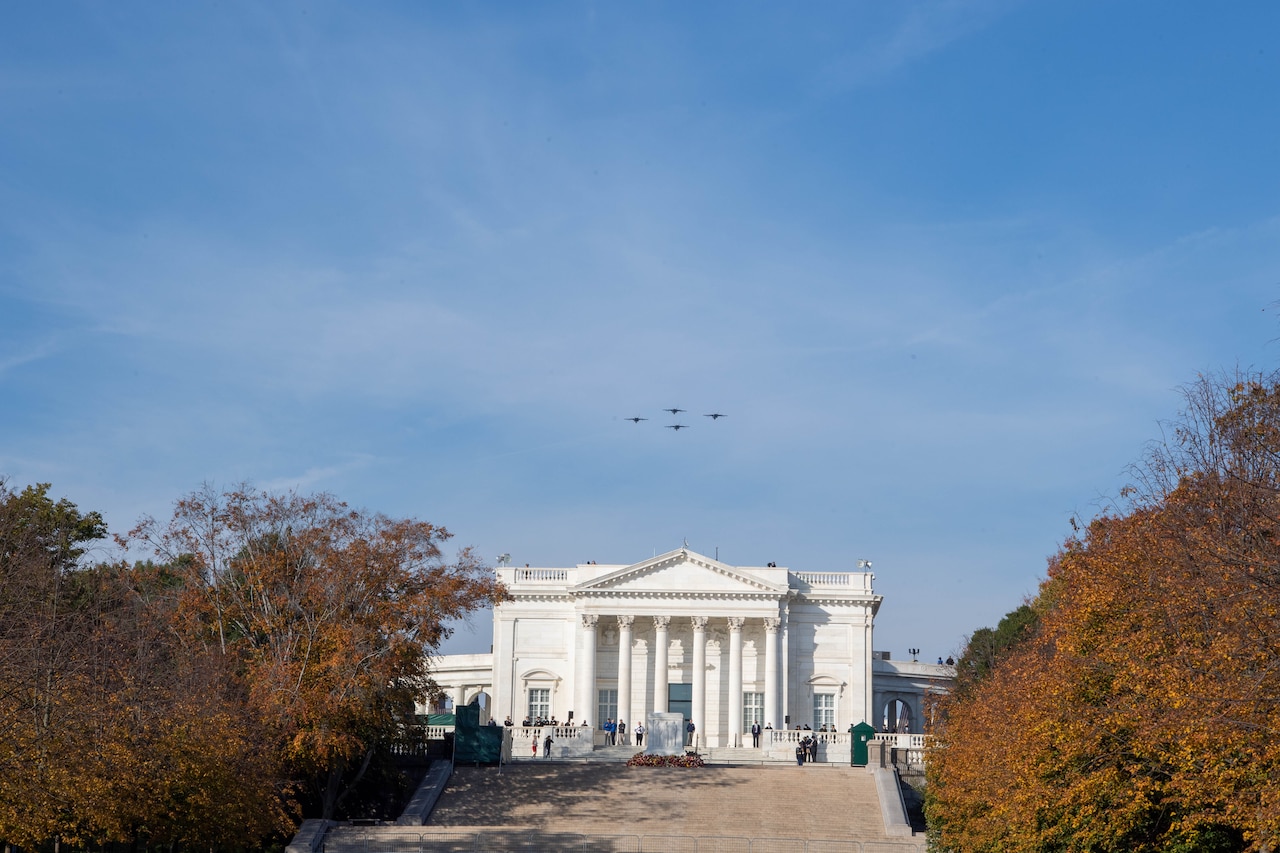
[
  {"x": 42, "y": 656},
  {"x": 112, "y": 728},
  {"x": 330, "y": 614},
  {"x": 1142, "y": 715},
  {"x": 175, "y": 755}
]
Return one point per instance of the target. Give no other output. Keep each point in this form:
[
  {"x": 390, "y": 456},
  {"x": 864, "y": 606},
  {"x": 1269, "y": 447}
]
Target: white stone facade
[{"x": 679, "y": 632}]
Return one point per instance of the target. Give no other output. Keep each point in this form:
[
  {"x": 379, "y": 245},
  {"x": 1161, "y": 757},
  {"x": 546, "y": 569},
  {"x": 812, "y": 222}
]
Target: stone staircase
[
  {"x": 811, "y": 802},
  {"x": 742, "y": 755}
]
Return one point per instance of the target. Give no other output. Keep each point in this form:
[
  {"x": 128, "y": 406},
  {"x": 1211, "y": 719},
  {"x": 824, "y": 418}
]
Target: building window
[
  {"x": 824, "y": 710},
  {"x": 608, "y": 707},
  {"x": 753, "y": 710},
  {"x": 539, "y": 703}
]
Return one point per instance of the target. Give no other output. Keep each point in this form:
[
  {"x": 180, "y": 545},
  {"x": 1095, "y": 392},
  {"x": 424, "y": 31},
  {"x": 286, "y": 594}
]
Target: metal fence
[{"x": 568, "y": 842}]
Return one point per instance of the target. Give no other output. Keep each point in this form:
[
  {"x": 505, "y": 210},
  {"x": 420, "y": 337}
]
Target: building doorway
[{"x": 680, "y": 701}]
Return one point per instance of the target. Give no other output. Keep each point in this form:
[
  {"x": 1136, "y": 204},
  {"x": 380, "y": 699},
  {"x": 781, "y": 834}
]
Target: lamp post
[{"x": 914, "y": 653}]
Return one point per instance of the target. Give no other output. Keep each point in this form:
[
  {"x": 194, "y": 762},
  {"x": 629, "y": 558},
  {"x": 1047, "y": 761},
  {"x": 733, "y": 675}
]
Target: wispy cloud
[
  {"x": 12, "y": 360},
  {"x": 916, "y": 31},
  {"x": 316, "y": 477}
]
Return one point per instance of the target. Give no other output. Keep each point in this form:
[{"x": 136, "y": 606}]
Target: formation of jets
[{"x": 677, "y": 426}]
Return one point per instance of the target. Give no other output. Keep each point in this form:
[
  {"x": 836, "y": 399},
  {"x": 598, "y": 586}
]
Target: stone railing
[
  {"x": 413, "y": 740},
  {"x": 792, "y": 737},
  {"x": 908, "y": 749},
  {"x": 542, "y": 575},
  {"x": 566, "y": 741},
  {"x": 825, "y": 578},
  {"x": 902, "y": 749},
  {"x": 901, "y": 741}
]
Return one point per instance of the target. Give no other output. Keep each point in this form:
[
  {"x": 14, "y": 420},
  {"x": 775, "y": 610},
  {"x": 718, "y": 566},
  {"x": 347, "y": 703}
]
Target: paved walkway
[{"x": 828, "y": 802}]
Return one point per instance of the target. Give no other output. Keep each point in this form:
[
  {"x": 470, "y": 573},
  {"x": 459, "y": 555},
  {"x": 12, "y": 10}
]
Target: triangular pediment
[{"x": 681, "y": 571}]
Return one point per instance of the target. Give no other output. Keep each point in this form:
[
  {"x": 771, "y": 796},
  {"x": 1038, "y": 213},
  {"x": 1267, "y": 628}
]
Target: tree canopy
[
  {"x": 330, "y": 612},
  {"x": 274, "y": 646},
  {"x": 1141, "y": 711}
]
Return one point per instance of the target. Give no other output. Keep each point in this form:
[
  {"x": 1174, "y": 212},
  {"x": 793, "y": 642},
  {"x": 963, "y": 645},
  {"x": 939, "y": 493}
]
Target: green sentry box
[{"x": 859, "y": 736}]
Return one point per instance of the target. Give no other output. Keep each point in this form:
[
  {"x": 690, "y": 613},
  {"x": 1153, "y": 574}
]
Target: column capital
[
  {"x": 772, "y": 624},
  {"x": 589, "y": 620},
  {"x": 700, "y": 622},
  {"x": 736, "y": 623},
  {"x": 626, "y": 621},
  {"x": 661, "y": 623}
]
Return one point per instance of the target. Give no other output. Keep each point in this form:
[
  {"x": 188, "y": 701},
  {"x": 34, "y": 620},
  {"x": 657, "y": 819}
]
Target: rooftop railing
[{"x": 542, "y": 575}]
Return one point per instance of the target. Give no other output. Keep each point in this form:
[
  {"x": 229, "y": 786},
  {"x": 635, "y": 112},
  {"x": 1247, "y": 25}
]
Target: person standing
[
  {"x": 755, "y": 735},
  {"x": 546, "y": 746},
  {"x": 622, "y": 732},
  {"x": 639, "y": 734},
  {"x": 690, "y": 729}
]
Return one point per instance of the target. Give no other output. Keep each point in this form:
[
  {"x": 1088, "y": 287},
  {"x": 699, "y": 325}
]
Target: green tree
[{"x": 986, "y": 645}]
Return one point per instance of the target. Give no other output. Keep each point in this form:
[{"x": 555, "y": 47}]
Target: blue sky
[{"x": 944, "y": 265}]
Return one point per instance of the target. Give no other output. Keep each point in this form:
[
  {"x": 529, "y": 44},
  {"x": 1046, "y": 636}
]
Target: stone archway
[
  {"x": 485, "y": 701},
  {"x": 897, "y": 715}
]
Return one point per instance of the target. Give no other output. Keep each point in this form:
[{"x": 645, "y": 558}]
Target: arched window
[{"x": 539, "y": 693}]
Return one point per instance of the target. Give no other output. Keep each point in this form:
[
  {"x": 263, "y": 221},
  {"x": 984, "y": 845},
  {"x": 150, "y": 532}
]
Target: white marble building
[{"x": 724, "y": 645}]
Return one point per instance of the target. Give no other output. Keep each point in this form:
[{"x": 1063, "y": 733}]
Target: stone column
[
  {"x": 784, "y": 674},
  {"x": 660, "y": 647},
  {"x": 771, "y": 715},
  {"x": 869, "y": 708},
  {"x": 459, "y": 697},
  {"x": 587, "y": 689},
  {"x": 624, "y": 674},
  {"x": 735, "y": 680},
  {"x": 700, "y": 679}
]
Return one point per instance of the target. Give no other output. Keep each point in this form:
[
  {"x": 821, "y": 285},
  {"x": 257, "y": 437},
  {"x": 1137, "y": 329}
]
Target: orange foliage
[
  {"x": 1144, "y": 713},
  {"x": 330, "y": 613},
  {"x": 282, "y": 642}
]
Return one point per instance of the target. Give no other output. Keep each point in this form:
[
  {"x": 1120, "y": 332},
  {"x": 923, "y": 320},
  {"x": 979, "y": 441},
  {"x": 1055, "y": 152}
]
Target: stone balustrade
[
  {"x": 566, "y": 741},
  {"x": 825, "y": 578},
  {"x": 437, "y": 732},
  {"x": 901, "y": 741},
  {"x": 542, "y": 575}
]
